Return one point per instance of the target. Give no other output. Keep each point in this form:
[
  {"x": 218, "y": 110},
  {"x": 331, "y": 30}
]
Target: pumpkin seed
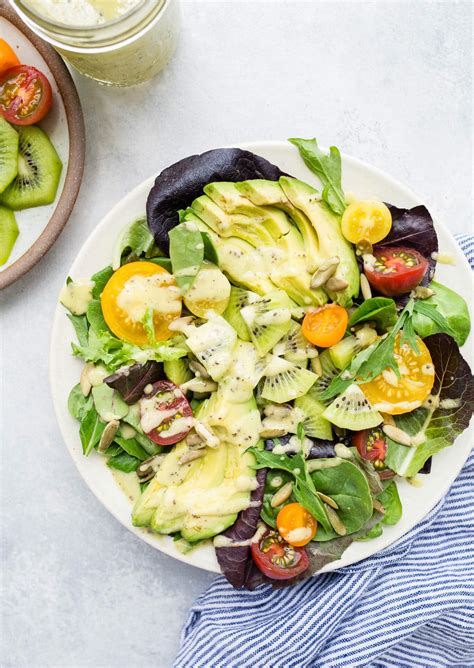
[
  {"x": 365, "y": 287},
  {"x": 335, "y": 521},
  {"x": 190, "y": 456},
  {"x": 335, "y": 284},
  {"x": 108, "y": 435},
  {"x": 327, "y": 499},
  {"x": 397, "y": 434},
  {"x": 324, "y": 272},
  {"x": 282, "y": 495}
]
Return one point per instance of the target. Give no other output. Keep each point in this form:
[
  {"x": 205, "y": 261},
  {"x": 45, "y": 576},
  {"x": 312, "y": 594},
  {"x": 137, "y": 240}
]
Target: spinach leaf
[
  {"x": 390, "y": 500},
  {"x": 449, "y": 414},
  {"x": 123, "y": 462},
  {"x": 90, "y": 430},
  {"x": 348, "y": 486},
  {"x": 81, "y": 327},
  {"x": 133, "y": 447},
  {"x": 133, "y": 419},
  {"x": 454, "y": 310},
  {"x": 328, "y": 170},
  {"x": 381, "y": 310},
  {"x": 186, "y": 253},
  {"x": 108, "y": 403},
  {"x": 100, "y": 280},
  {"x": 132, "y": 380},
  {"x": 134, "y": 240},
  {"x": 303, "y": 488},
  {"x": 95, "y": 317},
  {"x": 77, "y": 403},
  {"x": 164, "y": 262}
]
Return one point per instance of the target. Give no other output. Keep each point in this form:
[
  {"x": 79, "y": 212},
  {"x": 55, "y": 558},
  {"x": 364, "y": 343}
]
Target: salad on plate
[{"x": 264, "y": 360}]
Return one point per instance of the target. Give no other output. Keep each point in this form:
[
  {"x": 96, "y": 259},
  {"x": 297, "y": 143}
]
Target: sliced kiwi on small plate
[
  {"x": 8, "y": 153},
  {"x": 8, "y": 233},
  {"x": 285, "y": 381},
  {"x": 39, "y": 170},
  {"x": 352, "y": 410}
]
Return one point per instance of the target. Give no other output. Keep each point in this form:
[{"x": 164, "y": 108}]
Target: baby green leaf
[{"x": 186, "y": 253}]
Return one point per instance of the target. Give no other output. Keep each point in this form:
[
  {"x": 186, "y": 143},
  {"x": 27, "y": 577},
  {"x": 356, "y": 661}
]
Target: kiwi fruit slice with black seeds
[
  {"x": 268, "y": 319},
  {"x": 352, "y": 410},
  {"x": 238, "y": 299},
  {"x": 285, "y": 381},
  {"x": 329, "y": 371},
  {"x": 39, "y": 170},
  {"x": 8, "y": 153},
  {"x": 314, "y": 423},
  {"x": 8, "y": 233}
]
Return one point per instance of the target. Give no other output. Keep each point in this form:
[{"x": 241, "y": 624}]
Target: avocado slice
[{"x": 330, "y": 238}]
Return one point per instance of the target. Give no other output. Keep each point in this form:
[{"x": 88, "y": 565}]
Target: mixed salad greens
[{"x": 264, "y": 360}]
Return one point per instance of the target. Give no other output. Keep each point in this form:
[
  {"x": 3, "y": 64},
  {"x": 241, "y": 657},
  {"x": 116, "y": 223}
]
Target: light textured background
[{"x": 389, "y": 82}]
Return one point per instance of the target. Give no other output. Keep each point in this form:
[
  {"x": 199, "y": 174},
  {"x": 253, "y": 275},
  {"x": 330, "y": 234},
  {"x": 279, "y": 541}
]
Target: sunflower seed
[
  {"x": 365, "y": 287},
  {"x": 324, "y": 271},
  {"x": 108, "y": 435},
  {"x": 328, "y": 500},
  {"x": 282, "y": 495},
  {"x": 273, "y": 433},
  {"x": 397, "y": 435},
  {"x": 335, "y": 521}
]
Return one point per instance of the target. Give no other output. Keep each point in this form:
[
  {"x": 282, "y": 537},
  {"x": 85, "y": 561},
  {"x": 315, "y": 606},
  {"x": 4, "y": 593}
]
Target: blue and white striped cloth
[{"x": 411, "y": 605}]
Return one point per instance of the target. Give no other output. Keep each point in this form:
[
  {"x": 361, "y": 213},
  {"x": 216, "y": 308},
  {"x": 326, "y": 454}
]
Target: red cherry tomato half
[
  {"x": 396, "y": 270},
  {"x": 25, "y": 95},
  {"x": 372, "y": 445},
  {"x": 277, "y": 559},
  {"x": 167, "y": 412}
]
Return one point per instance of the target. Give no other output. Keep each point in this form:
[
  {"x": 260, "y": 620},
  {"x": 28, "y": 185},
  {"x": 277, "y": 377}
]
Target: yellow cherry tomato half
[
  {"x": 326, "y": 325},
  {"x": 134, "y": 289},
  {"x": 296, "y": 525},
  {"x": 366, "y": 219},
  {"x": 8, "y": 57},
  {"x": 393, "y": 395}
]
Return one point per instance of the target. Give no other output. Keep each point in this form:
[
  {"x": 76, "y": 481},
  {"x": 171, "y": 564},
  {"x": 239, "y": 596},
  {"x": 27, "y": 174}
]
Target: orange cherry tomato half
[
  {"x": 392, "y": 395},
  {"x": 326, "y": 325},
  {"x": 25, "y": 95},
  {"x": 8, "y": 57},
  {"x": 134, "y": 289},
  {"x": 296, "y": 525}
]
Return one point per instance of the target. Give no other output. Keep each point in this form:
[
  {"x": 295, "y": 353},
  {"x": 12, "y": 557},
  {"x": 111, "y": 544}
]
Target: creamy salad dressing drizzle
[
  {"x": 77, "y": 295},
  {"x": 142, "y": 293}
]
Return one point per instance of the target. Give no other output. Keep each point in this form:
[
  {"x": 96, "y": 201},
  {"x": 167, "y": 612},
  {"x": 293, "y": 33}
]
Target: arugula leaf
[
  {"x": 371, "y": 361},
  {"x": 328, "y": 170},
  {"x": 430, "y": 311},
  {"x": 100, "y": 279},
  {"x": 123, "y": 462},
  {"x": 95, "y": 317},
  {"x": 450, "y": 305},
  {"x": 382, "y": 310},
  {"x": 303, "y": 489},
  {"x": 149, "y": 326},
  {"x": 135, "y": 238},
  {"x": 79, "y": 322},
  {"x": 77, "y": 403},
  {"x": 452, "y": 404},
  {"x": 186, "y": 253},
  {"x": 90, "y": 430}
]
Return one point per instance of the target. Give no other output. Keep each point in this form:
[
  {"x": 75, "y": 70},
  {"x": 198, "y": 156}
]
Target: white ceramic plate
[{"x": 64, "y": 369}]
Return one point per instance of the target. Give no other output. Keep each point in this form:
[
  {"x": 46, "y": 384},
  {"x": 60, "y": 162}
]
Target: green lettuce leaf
[
  {"x": 100, "y": 279},
  {"x": 382, "y": 310},
  {"x": 133, "y": 241},
  {"x": 81, "y": 327},
  {"x": 442, "y": 419},
  {"x": 90, "y": 430},
  {"x": 454, "y": 310},
  {"x": 186, "y": 253}
]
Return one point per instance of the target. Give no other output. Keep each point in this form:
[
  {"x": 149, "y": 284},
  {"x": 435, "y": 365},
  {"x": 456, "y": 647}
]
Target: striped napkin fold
[{"x": 410, "y": 605}]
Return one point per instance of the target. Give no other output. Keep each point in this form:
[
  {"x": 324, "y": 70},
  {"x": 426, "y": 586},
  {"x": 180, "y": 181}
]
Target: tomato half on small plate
[{"x": 25, "y": 95}]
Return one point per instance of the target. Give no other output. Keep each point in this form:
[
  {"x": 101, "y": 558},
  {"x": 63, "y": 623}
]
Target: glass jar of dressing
[{"x": 115, "y": 42}]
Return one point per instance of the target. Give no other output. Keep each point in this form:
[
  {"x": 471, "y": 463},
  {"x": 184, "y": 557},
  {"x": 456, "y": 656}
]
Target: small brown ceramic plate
[{"x": 41, "y": 226}]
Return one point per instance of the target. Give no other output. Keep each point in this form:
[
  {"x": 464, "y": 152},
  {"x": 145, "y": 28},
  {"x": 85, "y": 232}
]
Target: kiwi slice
[
  {"x": 8, "y": 233},
  {"x": 285, "y": 381},
  {"x": 178, "y": 371},
  {"x": 314, "y": 424},
  {"x": 237, "y": 301},
  {"x": 294, "y": 347},
  {"x": 342, "y": 353},
  {"x": 268, "y": 319},
  {"x": 8, "y": 153},
  {"x": 39, "y": 169},
  {"x": 329, "y": 371},
  {"x": 352, "y": 410}
]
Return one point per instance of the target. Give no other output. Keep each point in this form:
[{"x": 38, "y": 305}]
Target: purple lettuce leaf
[
  {"x": 236, "y": 562},
  {"x": 178, "y": 185},
  {"x": 132, "y": 380}
]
